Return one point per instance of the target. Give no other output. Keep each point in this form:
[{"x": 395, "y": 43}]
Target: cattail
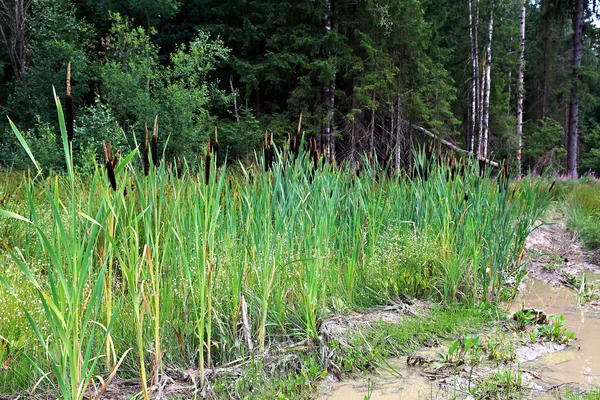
[
  {"x": 179, "y": 167},
  {"x": 69, "y": 106},
  {"x": 298, "y": 138},
  {"x": 216, "y": 147},
  {"x": 111, "y": 175},
  {"x": 207, "y": 164},
  {"x": 268, "y": 152},
  {"x": 551, "y": 186},
  {"x": 155, "y": 159},
  {"x": 145, "y": 160},
  {"x": 110, "y": 167},
  {"x": 313, "y": 152}
]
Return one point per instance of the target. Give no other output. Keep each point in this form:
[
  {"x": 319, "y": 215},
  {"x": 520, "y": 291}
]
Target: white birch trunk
[
  {"x": 329, "y": 146},
  {"x": 488, "y": 82},
  {"x": 475, "y": 66},
  {"x": 521, "y": 90}
]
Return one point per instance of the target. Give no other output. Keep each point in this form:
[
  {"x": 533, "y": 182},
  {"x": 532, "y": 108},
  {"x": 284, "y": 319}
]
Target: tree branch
[{"x": 449, "y": 144}]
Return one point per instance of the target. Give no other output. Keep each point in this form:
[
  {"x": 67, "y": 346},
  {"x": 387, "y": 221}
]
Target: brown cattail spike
[
  {"x": 298, "y": 137},
  {"x": 207, "y": 164},
  {"x": 110, "y": 167},
  {"x": 154, "y": 148},
  {"x": 69, "y": 106},
  {"x": 145, "y": 159},
  {"x": 155, "y": 159}
]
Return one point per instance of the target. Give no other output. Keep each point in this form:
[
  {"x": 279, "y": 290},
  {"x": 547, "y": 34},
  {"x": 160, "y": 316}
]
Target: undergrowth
[
  {"x": 133, "y": 269},
  {"x": 581, "y": 205}
]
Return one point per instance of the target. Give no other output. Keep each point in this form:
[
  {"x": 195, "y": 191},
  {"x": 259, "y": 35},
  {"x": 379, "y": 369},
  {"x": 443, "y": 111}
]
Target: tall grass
[
  {"x": 581, "y": 205},
  {"x": 209, "y": 267}
]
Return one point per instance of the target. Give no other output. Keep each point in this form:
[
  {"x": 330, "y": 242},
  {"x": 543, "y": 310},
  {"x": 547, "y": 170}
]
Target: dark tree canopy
[{"x": 363, "y": 74}]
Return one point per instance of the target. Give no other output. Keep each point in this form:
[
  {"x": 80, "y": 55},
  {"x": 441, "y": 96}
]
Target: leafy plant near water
[
  {"x": 505, "y": 384},
  {"x": 554, "y": 330},
  {"x": 206, "y": 268}
]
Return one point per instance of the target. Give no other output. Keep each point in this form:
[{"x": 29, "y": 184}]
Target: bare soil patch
[{"x": 554, "y": 255}]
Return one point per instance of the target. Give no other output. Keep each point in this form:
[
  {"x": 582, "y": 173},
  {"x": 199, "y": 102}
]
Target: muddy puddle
[
  {"x": 577, "y": 365},
  {"x": 580, "y": 362},
  {"x": 555, "y": 261},
  {"x": 401, "y": 383}
]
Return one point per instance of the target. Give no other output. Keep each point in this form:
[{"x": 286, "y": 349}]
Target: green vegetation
[
  {"x": 365, "y": 76},
  {"x": 137, "y": 250},
  {"x": 582, "y": 208},
  {"x": 190, "y": 269}
]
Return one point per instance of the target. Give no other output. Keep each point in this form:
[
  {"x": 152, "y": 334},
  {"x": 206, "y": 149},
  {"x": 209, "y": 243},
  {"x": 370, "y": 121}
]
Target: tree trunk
[
  {"x": 329, "y": 144},
  {"x": 13, "y": 33},
  {"x": 520, "y": 89},
  {"x": 475, "y": 85},
  {"x": 399, "y": 131},
  {"x": 546, "y": 57},
  {"x": 572, "y": 137},
  {"x": 478, "y": 82},
  {"x": 372, "y": 127},
  {"x": 488, "y": 84}
]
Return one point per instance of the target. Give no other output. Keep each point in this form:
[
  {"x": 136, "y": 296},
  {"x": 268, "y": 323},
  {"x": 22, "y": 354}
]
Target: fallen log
[{"x": 449, "y": 144}]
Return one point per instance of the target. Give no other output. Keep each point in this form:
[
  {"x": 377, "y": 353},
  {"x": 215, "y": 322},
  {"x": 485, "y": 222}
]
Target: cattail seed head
[
  {"x": 110, "y": 167},
  {"x": 155, "y": 159},
  {"x": 207, "y": 164},
  {"x": 216, "y": 147}
]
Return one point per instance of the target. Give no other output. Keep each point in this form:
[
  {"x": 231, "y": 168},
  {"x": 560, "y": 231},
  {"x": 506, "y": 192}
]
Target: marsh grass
[
  {"x": 581, "y": 206},
  {"x": 209, "y": 267}
]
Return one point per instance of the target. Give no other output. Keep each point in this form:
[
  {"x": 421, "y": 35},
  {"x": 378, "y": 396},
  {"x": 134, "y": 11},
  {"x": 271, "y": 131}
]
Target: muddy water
[
  {"x": 385, "y": 386},
  {"x": 580, "y": 363}
]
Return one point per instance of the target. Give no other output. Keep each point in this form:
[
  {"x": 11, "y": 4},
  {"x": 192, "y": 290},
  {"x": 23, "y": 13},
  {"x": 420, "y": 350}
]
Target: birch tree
[
  {"x": 520, "y": 89},
  {"x": 487, "y": 67},
  {"x": 473, "y": 28}
]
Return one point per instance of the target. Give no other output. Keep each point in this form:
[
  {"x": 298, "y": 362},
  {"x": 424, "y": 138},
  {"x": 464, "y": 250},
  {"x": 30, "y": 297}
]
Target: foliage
[
  {"x": 57, "y": 38},
  {"x": 543, "y": 146},
  {"x": 137, "y": 87},
  {"x": 582, "y": 207},
  {"x": 293, "y": 243}
]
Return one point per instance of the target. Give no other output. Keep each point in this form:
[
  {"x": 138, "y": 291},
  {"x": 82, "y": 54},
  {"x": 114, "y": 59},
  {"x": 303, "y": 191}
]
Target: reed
[
  {"x": 69, "y": 106},
  {"x": 72, "y": 290},
  {"x": 155, "y": 156},
  {"x": 218, "y": 266},
  {"x": 145, "y": 156}
]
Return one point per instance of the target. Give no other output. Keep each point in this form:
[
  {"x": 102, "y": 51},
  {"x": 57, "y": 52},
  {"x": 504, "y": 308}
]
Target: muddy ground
[
  {"x": 554, "y": 256},
  {"x": 514, "y": 363}
]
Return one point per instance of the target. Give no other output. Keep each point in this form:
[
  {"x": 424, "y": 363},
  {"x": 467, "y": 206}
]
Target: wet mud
[{"x": 563, "y": 280}]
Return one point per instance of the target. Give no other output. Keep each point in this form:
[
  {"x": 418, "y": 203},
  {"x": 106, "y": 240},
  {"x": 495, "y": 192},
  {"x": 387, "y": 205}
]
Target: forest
[
  {"x": 502, "y": 79},
  {"x": 324, "y": 199}
]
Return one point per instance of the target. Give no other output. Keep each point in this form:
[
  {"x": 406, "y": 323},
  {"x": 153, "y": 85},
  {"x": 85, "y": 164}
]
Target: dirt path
[{"x": 555, "y": 257}]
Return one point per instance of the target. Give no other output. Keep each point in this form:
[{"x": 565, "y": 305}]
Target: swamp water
[
  {"x": 580, "y": 362},
  {"x": 577, "y": 365}
]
